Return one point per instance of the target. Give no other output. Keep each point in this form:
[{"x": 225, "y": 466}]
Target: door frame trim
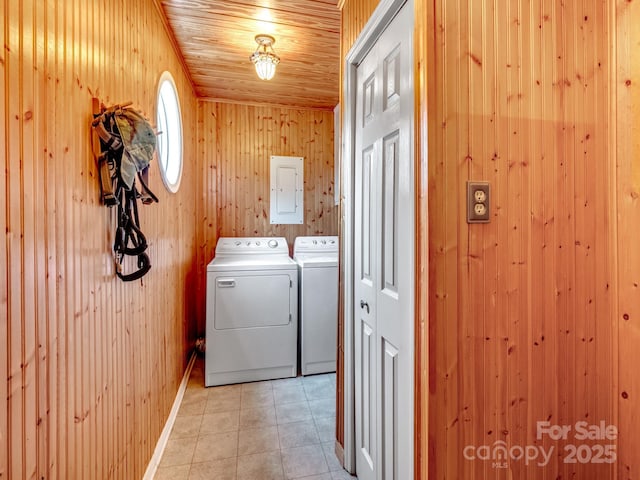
[{"x": 382, "y": 16}]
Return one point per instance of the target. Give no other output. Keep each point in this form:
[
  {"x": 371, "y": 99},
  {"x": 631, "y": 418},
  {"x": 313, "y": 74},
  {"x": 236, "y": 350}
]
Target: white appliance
[
  {"x": 317, "y": 259},
  {"x": 252, "y": 311}
]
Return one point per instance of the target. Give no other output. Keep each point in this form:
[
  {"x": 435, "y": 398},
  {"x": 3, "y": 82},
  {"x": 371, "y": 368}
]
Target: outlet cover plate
[{"x": 472, "y": 215}]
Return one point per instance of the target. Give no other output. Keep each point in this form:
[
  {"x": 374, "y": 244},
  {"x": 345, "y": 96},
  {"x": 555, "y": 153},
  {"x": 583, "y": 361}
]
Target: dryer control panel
[{"x": 249, "y": 245}]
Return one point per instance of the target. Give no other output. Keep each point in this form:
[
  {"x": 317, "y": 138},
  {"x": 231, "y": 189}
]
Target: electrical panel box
[{"x": 287, "y": 190}]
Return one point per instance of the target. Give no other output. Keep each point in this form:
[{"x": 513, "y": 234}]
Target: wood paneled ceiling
[{"x": 216, "y": 38}]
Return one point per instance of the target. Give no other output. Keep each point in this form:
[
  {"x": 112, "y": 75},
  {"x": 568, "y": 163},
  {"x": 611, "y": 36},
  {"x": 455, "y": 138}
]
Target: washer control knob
[
  {"x": 238, "y": 243},
  {"x": 315, "y": 242},
  {"x": 273, "y": 243},
  {"x": 324, "y": 242},
  {"x": 257, "y": 244}
]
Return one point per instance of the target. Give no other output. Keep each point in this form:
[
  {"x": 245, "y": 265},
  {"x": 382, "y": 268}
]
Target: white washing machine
[
  {"x": 252, "y": 311},
  {"x": 317, "y": 259}
]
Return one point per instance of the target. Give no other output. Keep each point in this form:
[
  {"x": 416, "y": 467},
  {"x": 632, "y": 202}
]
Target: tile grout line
[
  {"x": 308, "y": 398},
  {"x": 238, "y": 439},
  {"x": 278, "y": 432}
]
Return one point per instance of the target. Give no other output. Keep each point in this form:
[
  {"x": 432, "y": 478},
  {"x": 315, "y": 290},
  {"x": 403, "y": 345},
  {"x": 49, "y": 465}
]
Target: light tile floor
[{"x": 273, "y": 430}]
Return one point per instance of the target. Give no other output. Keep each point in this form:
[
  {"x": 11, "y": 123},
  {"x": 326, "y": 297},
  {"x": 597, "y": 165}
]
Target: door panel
[
  {"x": 365, "y": 351},
  {"x": 368, "y": 395},
  {"x": 392, "y": 78},
  {"x": 367, "y": 183},
  {"x": 368, "y": 93},
  {"x": 383, "y": 256},
  {"x": 389, "y": 453},
  {"x": 389, "y": 213}
]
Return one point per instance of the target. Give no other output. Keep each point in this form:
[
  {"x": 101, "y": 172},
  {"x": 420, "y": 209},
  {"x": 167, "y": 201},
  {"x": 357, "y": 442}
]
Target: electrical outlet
[
  {"x": 478, "y": 210},
  {"x": 479, "y": 196}
]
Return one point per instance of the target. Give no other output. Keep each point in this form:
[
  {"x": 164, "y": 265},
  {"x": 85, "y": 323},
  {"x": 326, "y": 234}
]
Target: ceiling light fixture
[{"x": 265, "y": 58}]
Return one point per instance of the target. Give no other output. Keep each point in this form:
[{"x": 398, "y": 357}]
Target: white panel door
[
  {"x": 286, "y": 180},
  {"x": 383, "y": 256}
]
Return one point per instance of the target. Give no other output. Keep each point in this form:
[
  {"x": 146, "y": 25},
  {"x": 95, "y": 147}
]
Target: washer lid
[{"x": 315, "y": 260}]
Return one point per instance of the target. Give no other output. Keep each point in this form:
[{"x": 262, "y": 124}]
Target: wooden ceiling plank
[{"x": 216, "y": 40}]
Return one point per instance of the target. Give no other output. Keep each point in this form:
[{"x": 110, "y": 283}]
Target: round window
[{"x": 170, "y": 137}]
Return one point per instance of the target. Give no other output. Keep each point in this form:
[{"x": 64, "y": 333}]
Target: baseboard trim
[
  {"x": 152, "y": 467},
  {"x": 339, "y": 451}
]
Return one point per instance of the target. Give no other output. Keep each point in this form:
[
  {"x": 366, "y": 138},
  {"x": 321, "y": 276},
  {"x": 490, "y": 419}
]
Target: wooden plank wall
[
  {"x": 355, "y": 15},
  {"x": 206, "y": 203},
  {"x": 90, "y": 365},
  {"x": 236, "y": 142},
  {"x": 521, "y": 308},
  {"x": 522, "y": 311},
  {"x": 626, "y": 117},
  {"x": 422, "y": 99}
]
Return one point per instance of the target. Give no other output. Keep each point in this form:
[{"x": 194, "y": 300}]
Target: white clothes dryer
[
  {"x": 251, "y": 312},
  {"x": 317, "y": 259}
]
